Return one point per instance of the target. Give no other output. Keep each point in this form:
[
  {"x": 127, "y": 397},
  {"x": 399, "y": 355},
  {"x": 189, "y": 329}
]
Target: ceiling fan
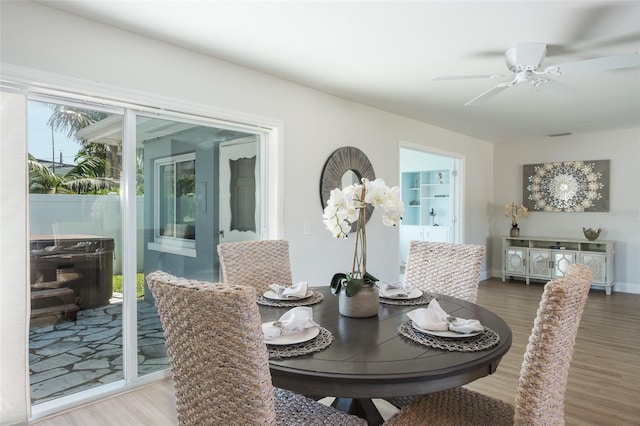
[{"x": 525, "y": 61}]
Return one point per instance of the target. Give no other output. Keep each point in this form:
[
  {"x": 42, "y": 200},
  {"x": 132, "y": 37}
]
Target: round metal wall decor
[{"x": 340, "y": 162}]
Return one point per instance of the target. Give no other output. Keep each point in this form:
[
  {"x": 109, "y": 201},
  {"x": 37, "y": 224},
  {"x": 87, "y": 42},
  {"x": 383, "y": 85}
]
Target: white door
[{"x": 239, "y": 190}]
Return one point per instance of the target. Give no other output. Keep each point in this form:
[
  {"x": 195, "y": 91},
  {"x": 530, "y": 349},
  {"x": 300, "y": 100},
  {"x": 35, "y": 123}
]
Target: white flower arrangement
[
  {"x": 347, "y": 206},
  {"x": 514, "y": 211}
]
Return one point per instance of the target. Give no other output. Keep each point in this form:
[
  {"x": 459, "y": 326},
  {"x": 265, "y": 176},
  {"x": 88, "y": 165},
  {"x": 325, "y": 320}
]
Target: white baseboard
[{"x": 626, "y": 288}]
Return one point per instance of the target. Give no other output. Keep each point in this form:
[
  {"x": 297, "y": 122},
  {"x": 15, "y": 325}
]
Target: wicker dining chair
[
  {"x": 256, "y": 263},
  {"x": 220, "y": 362},
  {"x": 445, "y": 268},
  {"x": 543, "y": 376}
]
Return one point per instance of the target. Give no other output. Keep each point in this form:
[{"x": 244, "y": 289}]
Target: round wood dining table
[{"x": 369, "y": 359}]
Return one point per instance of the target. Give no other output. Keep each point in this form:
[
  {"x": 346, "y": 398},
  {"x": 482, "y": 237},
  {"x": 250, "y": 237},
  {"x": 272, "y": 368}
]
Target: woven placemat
[
  {"x": 307, "y": 301},
  {"x": 485, "y": 340},
  {"x": 318, "y": 343},
  {"x": 422, "y": 300}
]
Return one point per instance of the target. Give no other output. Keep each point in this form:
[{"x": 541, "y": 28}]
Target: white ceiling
[{"x": 385, "y": 53}]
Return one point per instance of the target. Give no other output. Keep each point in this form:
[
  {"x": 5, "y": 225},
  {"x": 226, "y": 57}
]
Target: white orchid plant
[
  {"x": 349, "y": 205},
  {"x": 514, "y": 211}
]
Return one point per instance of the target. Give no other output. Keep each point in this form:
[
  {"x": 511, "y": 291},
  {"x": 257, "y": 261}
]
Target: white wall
[
  {"x": 621, "y": 223},
  {"x": 412, "y": 161}
]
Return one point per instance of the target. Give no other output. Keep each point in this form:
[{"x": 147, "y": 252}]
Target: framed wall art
[{"x": 566, "y": 186}]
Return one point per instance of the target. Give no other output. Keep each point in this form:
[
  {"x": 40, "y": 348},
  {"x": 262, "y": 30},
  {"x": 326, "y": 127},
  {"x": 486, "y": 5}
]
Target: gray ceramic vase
[{"x": 363, "y": 304}]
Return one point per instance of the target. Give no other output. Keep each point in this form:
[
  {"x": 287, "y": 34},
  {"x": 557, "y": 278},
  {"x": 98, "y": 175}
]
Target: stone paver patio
[{"x": 69, "y": 357}]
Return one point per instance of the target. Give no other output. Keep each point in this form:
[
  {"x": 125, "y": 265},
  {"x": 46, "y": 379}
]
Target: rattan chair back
[
  {"x": 543, "y": 376},
  {"x": 256, "y": 263},
  {"x": 216, "y": 347},
  {"x": 545, "y": 369},
  {"x": 445, "y": 268},
  {"x": 220, "y": 361}
]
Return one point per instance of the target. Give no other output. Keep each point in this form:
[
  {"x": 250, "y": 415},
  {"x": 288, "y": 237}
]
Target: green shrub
[{"x": 117, "y": 284}]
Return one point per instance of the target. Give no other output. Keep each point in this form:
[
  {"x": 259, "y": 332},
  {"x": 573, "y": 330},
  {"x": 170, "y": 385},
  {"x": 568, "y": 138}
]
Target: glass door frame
[{"x": 271, "y": 184}]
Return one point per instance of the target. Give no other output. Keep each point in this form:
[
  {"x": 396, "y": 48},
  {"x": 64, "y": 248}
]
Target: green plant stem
[{"x": 360, "y": 262}]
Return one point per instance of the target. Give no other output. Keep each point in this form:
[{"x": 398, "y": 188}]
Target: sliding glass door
[
  {"x": 185, "y": 186},
  {"x": 75, "y": 335},
  {"x": 114, "y": 194}
]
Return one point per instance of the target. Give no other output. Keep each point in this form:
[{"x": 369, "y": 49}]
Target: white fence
[{"x": 85, "y": 214}]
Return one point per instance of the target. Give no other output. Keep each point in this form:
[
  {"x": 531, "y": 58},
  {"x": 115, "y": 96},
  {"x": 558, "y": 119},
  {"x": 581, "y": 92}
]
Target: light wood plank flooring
[{"x": 604, "y": 381}]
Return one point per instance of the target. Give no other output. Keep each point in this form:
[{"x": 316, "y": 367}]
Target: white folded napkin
[
  {"x": 295, "y": 320},
  {"x": 295, "y": 291},
  {"x": 397, "y": 289},
  {"x": 434, "y": 318}
]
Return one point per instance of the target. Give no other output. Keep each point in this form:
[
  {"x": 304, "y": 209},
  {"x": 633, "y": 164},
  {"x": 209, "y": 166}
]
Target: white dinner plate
[
  {"x": 413, "y": 294},
  {"x": 445, "y": 333},
  {"x": 290, "y": 339},
  {"x": 270, "y": 294}
]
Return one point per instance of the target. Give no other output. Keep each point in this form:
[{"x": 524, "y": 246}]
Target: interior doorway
[{"x": 430, "y": 183}]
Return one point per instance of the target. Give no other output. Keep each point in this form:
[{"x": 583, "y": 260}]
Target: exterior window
[{"x": 175, "y": 210}]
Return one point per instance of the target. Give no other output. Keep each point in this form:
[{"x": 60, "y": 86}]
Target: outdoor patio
[{"x": 68, "y": 357}]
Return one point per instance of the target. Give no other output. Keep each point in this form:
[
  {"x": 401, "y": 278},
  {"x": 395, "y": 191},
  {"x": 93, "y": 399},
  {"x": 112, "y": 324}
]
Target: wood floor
[{"x": 604, "y": 381}]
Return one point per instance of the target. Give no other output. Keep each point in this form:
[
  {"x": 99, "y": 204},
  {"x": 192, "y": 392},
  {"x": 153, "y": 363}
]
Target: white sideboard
[{"x": 542, "y": 258}]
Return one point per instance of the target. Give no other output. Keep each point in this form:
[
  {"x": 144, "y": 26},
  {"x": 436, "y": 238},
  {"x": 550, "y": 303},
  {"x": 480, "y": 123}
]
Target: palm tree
[
  {"x": 88, "y": 176},
  {"x": 72, "y": 119},
  {"x": 41, "y": 179}
]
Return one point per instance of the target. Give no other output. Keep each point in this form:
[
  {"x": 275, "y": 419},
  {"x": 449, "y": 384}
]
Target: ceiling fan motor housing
[{"x": 525, "y": 56}]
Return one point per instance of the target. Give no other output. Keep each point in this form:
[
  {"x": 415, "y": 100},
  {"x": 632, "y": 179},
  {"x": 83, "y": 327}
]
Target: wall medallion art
[
  {"x": 567, "y": 186},
  {"x": 345, "y": 165}
]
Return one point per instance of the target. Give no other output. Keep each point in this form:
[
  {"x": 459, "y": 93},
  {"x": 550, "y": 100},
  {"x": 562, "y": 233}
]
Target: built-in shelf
[{"x": 428, "y": 192}]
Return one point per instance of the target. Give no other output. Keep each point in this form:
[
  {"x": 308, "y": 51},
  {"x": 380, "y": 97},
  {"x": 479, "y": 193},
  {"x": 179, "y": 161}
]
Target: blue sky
[{"x": 40, "y": 136}]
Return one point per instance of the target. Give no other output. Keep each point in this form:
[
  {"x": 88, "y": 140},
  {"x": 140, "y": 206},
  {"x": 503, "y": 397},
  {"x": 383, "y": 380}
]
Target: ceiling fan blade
[
  {"x": 558, "y": 90},
  {"x": 489, "y": 94},
  {"x": 594, "y": 65},
  {"x": 465, "y": 77},
  {"x": 530, "y": 54},
  {"x": 588, "y": 20}
]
